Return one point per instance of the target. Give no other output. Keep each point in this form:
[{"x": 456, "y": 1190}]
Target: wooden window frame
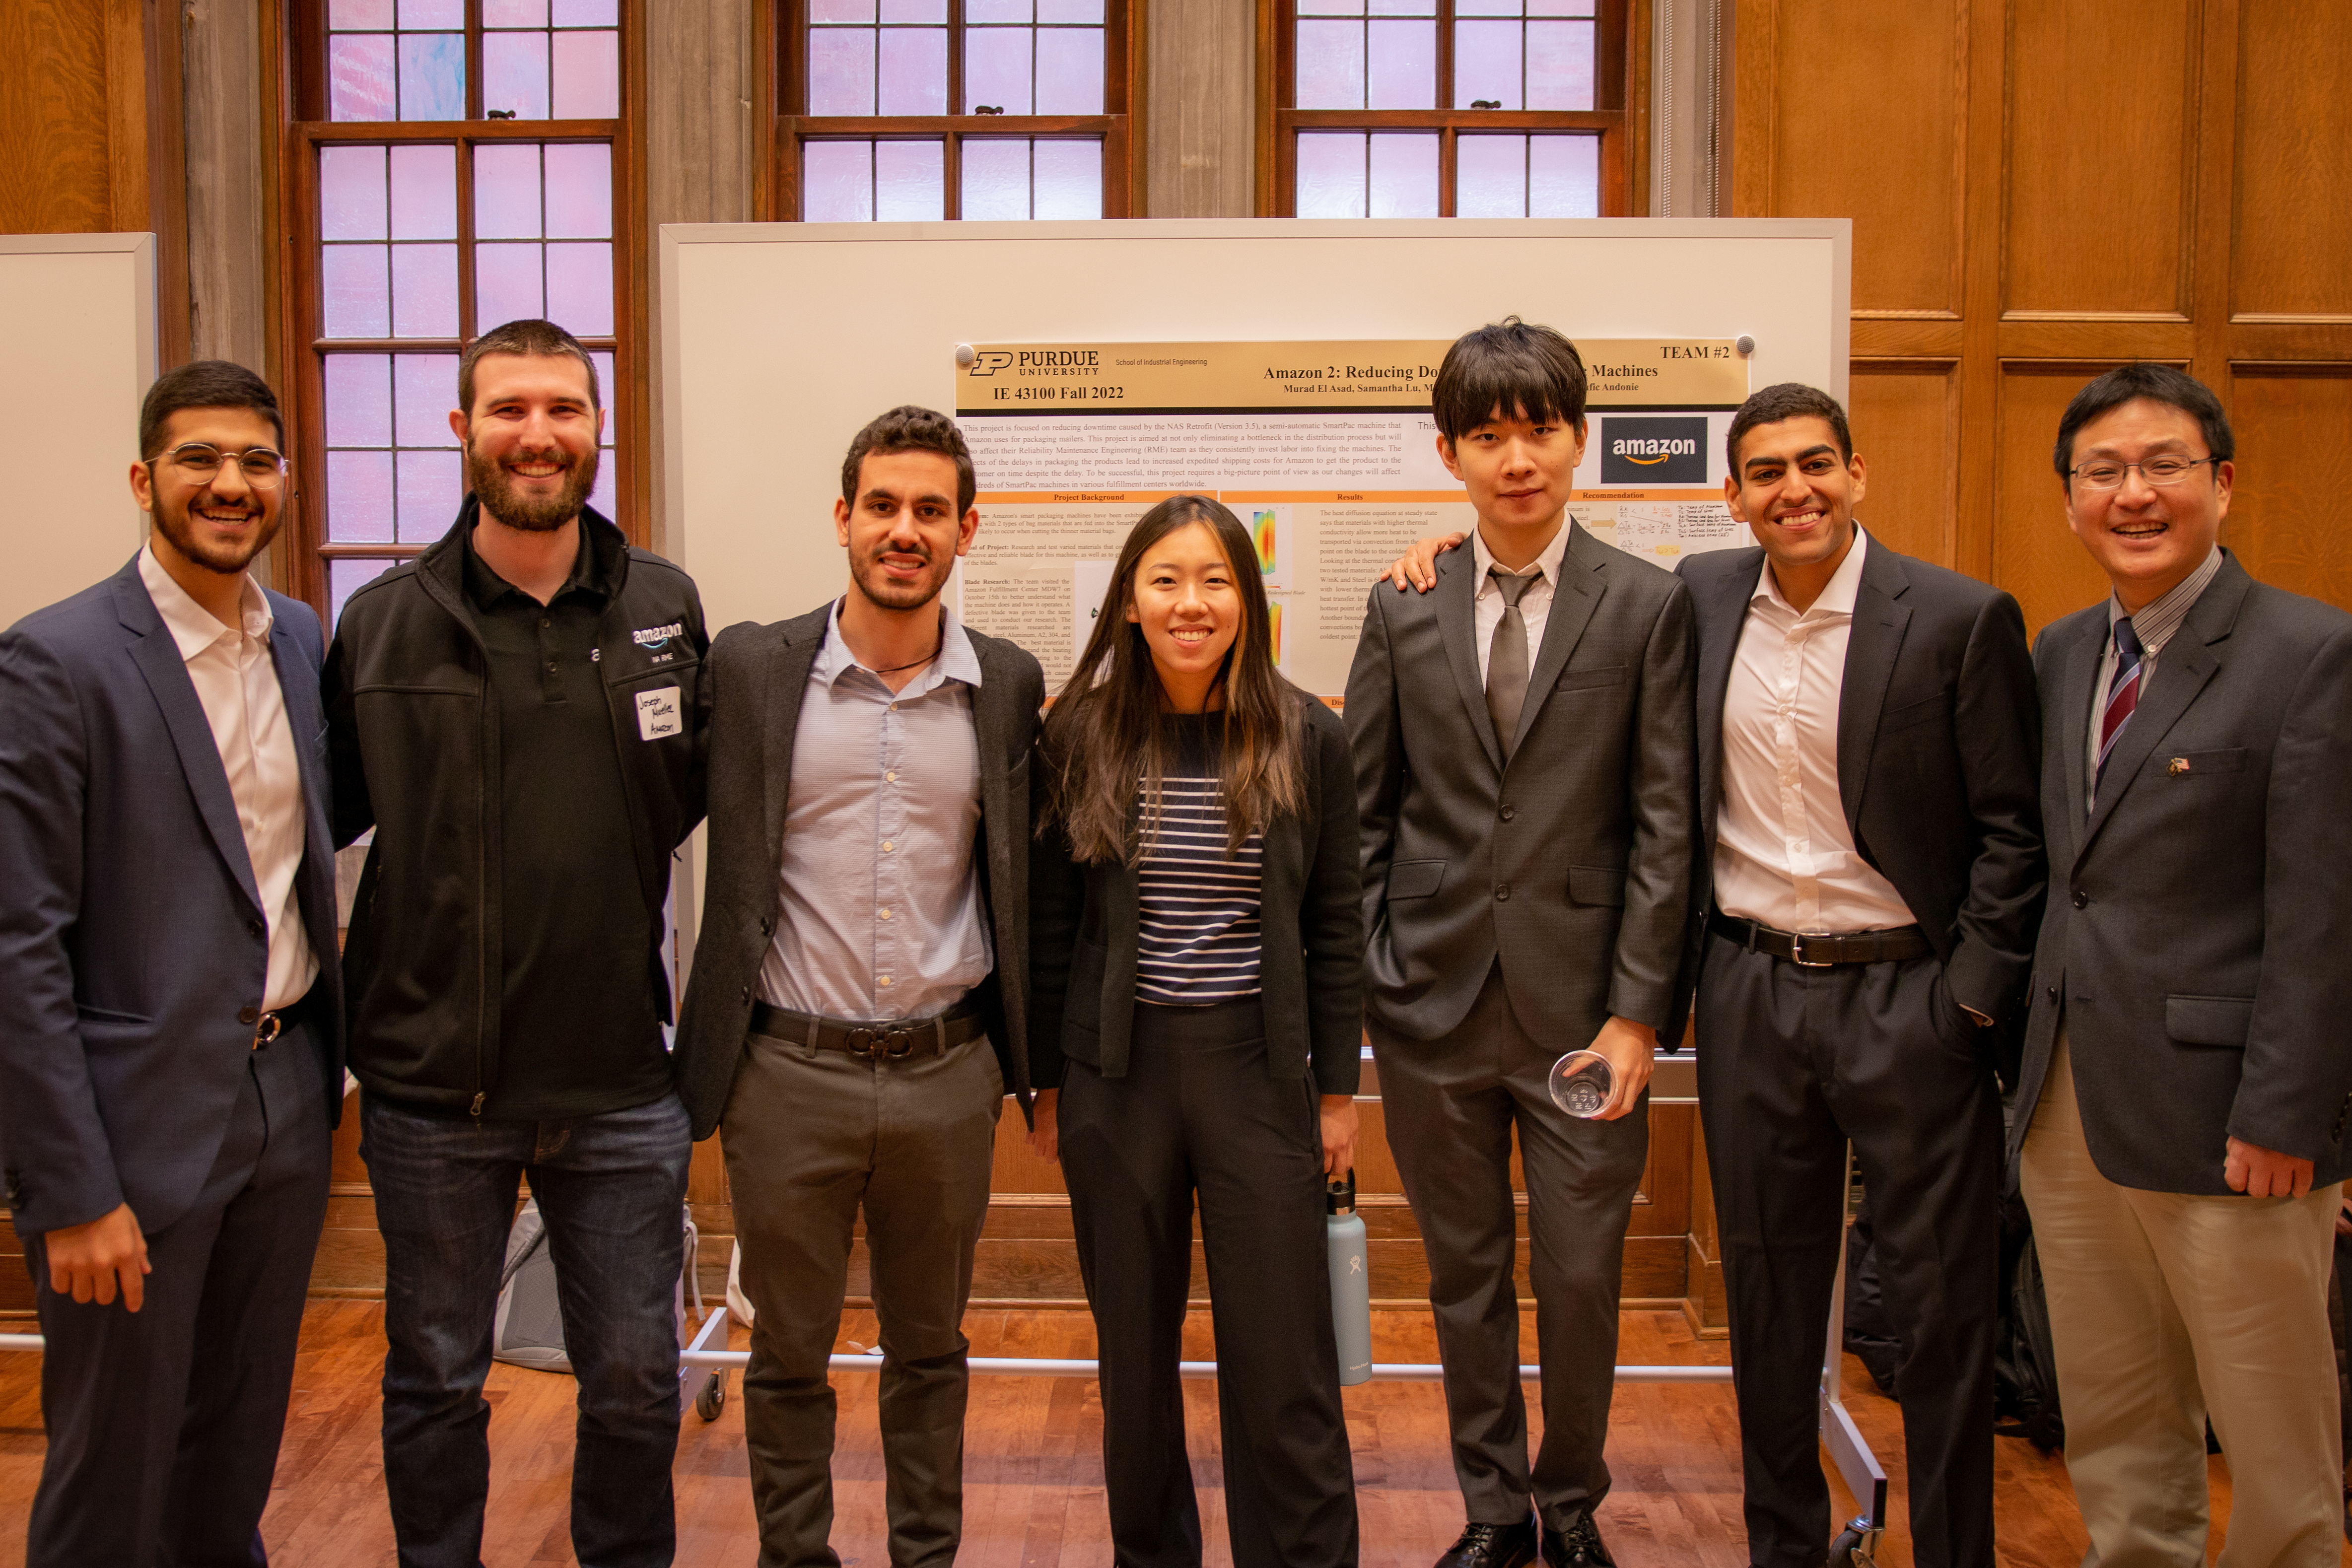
[
  {"x": 784, "y": 58},
  {"x": 1620, "y": 83},
  {"x": 302, "y": 343}
]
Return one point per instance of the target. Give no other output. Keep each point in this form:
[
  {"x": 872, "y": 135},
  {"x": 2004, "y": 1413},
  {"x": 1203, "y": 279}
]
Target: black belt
[
  {"x": 268, "y": 1026},
  {"x": 1821, "y": 949},
  {"x": 883, "y": 1040}
]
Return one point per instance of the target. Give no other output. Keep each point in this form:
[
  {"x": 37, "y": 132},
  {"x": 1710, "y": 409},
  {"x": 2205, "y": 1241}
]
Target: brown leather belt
[
  {"x": 891, "y": 1039},
  {"x": 1819, "y": 949}
]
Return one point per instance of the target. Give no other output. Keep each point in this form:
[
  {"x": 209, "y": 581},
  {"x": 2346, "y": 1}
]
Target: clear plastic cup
[{"x": 1580, "y": 1083}]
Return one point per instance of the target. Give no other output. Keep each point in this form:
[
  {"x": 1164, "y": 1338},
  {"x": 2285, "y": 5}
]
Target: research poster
[{"x": 1327, "y": 452}]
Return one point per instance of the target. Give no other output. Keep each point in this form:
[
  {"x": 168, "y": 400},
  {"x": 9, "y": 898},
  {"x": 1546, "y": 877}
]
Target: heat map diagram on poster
[{"x": 1325, "y": 451}]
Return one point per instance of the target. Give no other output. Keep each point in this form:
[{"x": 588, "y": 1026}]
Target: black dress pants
[
  {"x": 1793, "y": 1063},
  {"x": 1197, "y": 1110}
]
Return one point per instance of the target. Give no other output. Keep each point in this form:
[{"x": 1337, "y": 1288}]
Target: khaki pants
[{"x": 2169, "y": 1308}]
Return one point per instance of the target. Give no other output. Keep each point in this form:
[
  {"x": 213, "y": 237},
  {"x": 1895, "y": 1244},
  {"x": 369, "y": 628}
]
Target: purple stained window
[
  {"x": 1366, "y": 54},
  {"x": 551, "y": 62},
  {"x": 837, "y": 182},
  {"x": 408, "y": 193},
  {"x": 1401, "y": 174},
  {"x": 1330, "y": 182},
  {"x": 1528, "y": 176},
  {"x": 345, "y": 578},
  {"x": 392, "y": 459},
  {"x": 860, "y": 181}
]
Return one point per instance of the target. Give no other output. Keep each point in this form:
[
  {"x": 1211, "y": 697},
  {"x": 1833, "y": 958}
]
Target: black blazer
[
  {"x": 1083, "y": 937},
  {"x": 2194, "y": 943},
  {"x": 752, "y": 681},
  {"x": 1938, "y": 759}
]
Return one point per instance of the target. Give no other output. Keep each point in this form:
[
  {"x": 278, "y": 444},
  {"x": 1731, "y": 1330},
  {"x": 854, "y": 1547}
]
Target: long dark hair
[{"x": 1105, "y": 735}]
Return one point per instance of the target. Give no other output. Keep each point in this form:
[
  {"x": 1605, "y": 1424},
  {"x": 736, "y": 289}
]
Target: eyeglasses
[
  {"x": 262, "y": 467},
  {"x": 2158, "y": 471}
]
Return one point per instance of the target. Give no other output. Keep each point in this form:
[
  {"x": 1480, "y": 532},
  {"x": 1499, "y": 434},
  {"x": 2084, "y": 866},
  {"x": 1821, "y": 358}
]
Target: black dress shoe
[
  {"x": 1578, "y": 1546},
  {"x": 1493, "y": 1546}
]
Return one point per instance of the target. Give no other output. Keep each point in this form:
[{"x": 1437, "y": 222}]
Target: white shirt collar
[
  {"x": 1836, "y": 599},
  {"x": 1546, "y": 561},
  {"x": 957, "y": 659},
  {"x": 193, "y": 627}
]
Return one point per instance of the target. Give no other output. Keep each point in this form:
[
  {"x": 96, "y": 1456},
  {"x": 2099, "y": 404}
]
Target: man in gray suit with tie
[
  {"x": 859, "y": 990},
  {"x": 1524, "y": 761},
  {"x": 171, "y": 1017},
  {"x": 2187, "y": 1087}
]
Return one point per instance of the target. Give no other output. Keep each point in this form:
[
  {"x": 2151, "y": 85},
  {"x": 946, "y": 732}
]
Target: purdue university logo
[{"x": 1653, "y": 450}]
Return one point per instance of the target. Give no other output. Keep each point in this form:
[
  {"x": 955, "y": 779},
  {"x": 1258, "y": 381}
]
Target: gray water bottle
[{"x": 1351, "y": 1285}]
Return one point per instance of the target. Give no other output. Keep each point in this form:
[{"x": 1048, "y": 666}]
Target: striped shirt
[{"x": 1197, "y": 905}]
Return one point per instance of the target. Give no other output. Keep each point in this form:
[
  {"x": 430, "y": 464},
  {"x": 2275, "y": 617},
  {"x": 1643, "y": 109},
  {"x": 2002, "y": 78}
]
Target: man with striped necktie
[{"x": 2186, "y": 1091}]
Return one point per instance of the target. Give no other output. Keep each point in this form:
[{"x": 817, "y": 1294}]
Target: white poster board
[{"x": 76, "y": 355}]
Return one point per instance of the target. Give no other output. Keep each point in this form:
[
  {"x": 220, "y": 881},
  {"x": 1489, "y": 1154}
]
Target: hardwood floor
[{"x": 1033, "y": 1470}]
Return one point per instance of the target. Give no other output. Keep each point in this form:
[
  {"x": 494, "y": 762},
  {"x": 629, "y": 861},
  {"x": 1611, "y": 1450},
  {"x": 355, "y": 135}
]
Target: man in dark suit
[
  {"x": 2187, "y": 1089},
  {"x": 171, "y": 1022},
  {"x": 859, "y": 993},
  {"x": 1868, "y": 878},
  {"x": 1522, "y": 738}
]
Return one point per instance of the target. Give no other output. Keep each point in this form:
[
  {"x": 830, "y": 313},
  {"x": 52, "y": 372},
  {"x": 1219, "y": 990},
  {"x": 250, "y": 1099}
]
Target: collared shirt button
[
  {"x": 1502, "y": 890},
  {"x": 248, "y": 1015},
  {"x": 2081, "y": 898},
  {"x": 1509, "y": 812},
  {"x": 885, "y": 914},
  {"x": 881, "y": 979},
  {"x": 886, "y": 846},
  {"x": 894, "y": 707},
  {"x": 891, "y": 776}
]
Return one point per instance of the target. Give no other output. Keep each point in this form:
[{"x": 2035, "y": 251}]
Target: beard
[
  {"x": 174, "y": 523},
  {"x": 488, "y": 480},
  {"x": 885, "y": 594}
]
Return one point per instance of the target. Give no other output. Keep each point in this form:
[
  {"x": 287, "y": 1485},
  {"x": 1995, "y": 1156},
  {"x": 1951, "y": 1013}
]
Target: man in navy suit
[{"x": 170, "y": 1033}]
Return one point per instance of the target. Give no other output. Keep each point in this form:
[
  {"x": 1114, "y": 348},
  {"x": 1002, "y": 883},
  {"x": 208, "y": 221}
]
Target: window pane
[
  {"x": 360, "y": 83},
  {"x": 580, "y": 190},
  {"x": 841, "y": 10},
  {"x": 359, "y": 497},
  {"x": 996, "y": 11},
  {"x": 514, "y": 13},
  {"x": 996, "y": 69},
  {"x": 506, "y": 191},
  {"x": 424, "y": 193},
  {"x": 1486, "y": 63},
  {"x": 1559, "y": 65},
  {"x": 514, "y": 73},
  {"x": 350, "y": 192},
  {"x": 1564, "y": 177},
  {"x": 1403, "y": 65},
  {"x": 425, "y": 389},
  {"x": 432, "y": 76},
  {"x": 1331, "y": 174},
  {"x": 1490, "y": 176},
  {"x": 355, "y": 291},
  {"x": 427, "y": 487},
  {"x": 601, "y": 493},
  {"x": 432, "y": 13},
  {"x": 996, "y": 180},
  {"x": 1405, "y": 175},
  {"x": 346, "y": 14},
  {"x": 914, "y": 70},
  {"x": 345, "y": 578},
  {"x": 588, "y": 75},
  {"x": 1330, "y": 7},
  {"x": 587, "y": 13},
  {"x": 1330, "y": 65},
  {"x": 605, "y": 382},
  {"x": 359, "y": 400},
  {"x": 920, "y": 13},
  {"x": 1487, "y": 7},
  {"x": 1068, "y": 179},
  {"x": 910, "y": 181},
  {"x": 837, "y": 182},
  {"x": 424, "y": 290},
  {"x": 507, "y": 284},
  {"x": 579, "y": 289},
  {"x": 840, "y": 70},
  {"x": 1069, "y": 71},
  {"x": 1088, "y": 12}
]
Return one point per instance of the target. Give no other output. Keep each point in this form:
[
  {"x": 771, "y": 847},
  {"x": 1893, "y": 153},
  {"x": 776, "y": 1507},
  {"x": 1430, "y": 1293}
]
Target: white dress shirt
[
  {"x": 1534, "y": 599},
  {"x": 236, "y": 682},
  {"x": 1783, "y": 853}
]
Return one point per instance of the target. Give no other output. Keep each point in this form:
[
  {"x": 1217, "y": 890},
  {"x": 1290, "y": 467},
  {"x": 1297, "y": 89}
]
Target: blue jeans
[{"x": 612, "y": 1190}]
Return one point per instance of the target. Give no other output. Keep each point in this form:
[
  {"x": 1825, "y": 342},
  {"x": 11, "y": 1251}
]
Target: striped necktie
[{"x": 2122, "y": 693}]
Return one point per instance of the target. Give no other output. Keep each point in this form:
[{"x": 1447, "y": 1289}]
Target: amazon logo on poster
[{"x": 1653, "y": 450}]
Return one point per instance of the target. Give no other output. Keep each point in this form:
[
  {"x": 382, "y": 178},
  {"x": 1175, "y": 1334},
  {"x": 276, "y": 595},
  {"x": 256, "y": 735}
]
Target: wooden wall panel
[
  {"x": 2101, "y": 110},
  {"x": 2291, "y": 226},
  {"x": 53, "y": 120},
  {"x": 1905, "y": 416},
  {"x": 2294, "y": 470},
  {"x": 2034, "y": 555}
]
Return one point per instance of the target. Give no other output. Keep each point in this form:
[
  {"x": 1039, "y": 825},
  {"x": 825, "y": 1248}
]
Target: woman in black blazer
[{"x": 1196, "y": 949}]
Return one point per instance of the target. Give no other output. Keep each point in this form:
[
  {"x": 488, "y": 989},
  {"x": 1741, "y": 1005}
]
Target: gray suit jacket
[
  {"x": 1572, "y": 864},
  {"x": 132, "y": 945},
  {"x": 752, "y": 681},
  {"x": 2194, "y": 939}
]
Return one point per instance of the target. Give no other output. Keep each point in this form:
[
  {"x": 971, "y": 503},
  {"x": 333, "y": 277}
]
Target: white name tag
[{"x": 658, "y": 714}]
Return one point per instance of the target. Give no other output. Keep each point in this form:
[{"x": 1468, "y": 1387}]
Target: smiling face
[
  {"x": 2144, "y": 538},
  {"x": 1188, "y": 608},
  {"x": 219, "y": 522},
  {"x": 904, "y": 534},
  {"x": 1796, "y": 492},
  {"x": 531, "y": 438},
  {"x": 1519, "y": 472}
]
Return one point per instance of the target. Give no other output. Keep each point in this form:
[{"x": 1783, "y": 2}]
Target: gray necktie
[{"x": 1506, "y": 656}]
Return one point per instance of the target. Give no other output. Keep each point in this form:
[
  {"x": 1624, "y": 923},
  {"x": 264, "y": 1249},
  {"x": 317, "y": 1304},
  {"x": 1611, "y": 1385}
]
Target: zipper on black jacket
[{"x": 477, "y": 1105}]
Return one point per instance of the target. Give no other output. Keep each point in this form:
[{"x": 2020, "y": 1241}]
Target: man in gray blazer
[
  {"x": 1523, "y": 760},
  {"x": 859, "y": 994},
  {"x": 171, "y": 1015},
  {"x": 2187, "y": 1085}
]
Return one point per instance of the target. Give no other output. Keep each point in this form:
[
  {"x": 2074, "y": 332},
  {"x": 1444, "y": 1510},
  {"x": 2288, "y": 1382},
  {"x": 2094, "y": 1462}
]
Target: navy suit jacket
[{"x": 132, "y": 935}]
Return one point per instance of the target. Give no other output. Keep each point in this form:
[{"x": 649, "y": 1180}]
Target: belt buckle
[
  {"x": 883, "y": 1044},
  {"x": 270, "y": 1028},
  {"x": 1797, "y": 953}
]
